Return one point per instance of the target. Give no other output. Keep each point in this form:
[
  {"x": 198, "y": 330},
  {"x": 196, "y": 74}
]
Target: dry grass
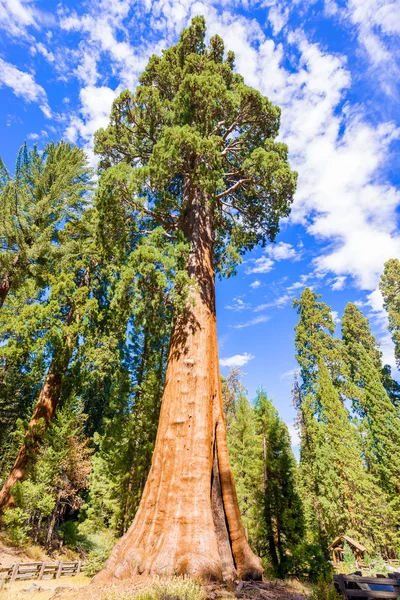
[
  {"x": 184, "y": 588},
  {"x": 48, "y": 587}
]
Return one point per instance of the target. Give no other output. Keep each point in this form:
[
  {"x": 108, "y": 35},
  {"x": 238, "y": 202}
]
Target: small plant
[
  {"x": 99, "y": 546},
  {"x": 324, "y": 590},
  {"x": 16, "y": 524},
  {"x": 349, "y": 562},
  {"x": 379, "y": 565},
  {"x": 176, "y": 588},
  {"x": 367, "y": 560}
]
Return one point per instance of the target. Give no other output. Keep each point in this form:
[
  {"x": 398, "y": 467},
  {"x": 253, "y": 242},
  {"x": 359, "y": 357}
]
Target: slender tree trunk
[
  {"x": 188, "y": 521},
  {"x": 53, "y": 519},
  {"x": 41, "y": 418},
  {"x": 45, "y": 408}
]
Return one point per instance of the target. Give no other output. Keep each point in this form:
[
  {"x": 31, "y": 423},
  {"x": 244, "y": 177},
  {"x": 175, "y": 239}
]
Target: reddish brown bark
[
  {"x": 4, "y": 288},
  {"x": 188, "y": 521},
  {"x": 41, "y": 418}
]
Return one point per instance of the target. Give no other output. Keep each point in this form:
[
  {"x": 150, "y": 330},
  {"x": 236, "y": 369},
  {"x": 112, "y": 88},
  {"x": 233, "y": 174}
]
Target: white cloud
[
  {"x": 256, "y": 284},
  {"x": 255, "y": 321},
  {"x": 238, "y": 360},
  {"x": 261, "y": 265},
  {"x": 339, "y": 283},
  {"x": 281, "y": 251},
  {"x": 335, "y": 316},
  {"x": 94, "y": 113},
  {"x": 279, "y": 302},
  {"x": 237, "y": 305},
  {"x": 24, "y": 86}
]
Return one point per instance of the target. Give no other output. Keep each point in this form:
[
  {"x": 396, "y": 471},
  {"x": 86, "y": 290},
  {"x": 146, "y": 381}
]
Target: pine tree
[
  {"x": 245, "y": 455},
  {"x": 339, "y": 494},
  {"x": 380, "y": 421},
  {"x": 282, "y": 526},
  {"x": 390, "y": 288},
  {"x": 193, "y": 152},
  {"x": 356, "y": 333},
  {"x": 47, "y": 190},
  {"x": 60, "y": 316}
]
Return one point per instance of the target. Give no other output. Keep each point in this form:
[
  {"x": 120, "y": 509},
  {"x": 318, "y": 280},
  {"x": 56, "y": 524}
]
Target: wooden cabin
[{"x": 337, "y": 549}]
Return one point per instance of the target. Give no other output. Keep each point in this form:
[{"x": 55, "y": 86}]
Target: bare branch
[{"x": 233, "y": 187}]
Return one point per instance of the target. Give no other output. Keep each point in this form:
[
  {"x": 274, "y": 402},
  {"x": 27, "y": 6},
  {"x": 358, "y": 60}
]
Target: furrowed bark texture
[{"x": 188, "y": 521}]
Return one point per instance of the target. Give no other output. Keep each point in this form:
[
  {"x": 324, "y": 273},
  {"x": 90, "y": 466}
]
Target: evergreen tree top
[
  {"x": 390, "y": 288},
  {"x": 193, "y": 124}
]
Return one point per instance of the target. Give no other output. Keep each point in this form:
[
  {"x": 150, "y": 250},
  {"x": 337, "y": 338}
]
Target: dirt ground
[
  {"x": 41, "y": 590},
  {"x": 77, "y": 588}
]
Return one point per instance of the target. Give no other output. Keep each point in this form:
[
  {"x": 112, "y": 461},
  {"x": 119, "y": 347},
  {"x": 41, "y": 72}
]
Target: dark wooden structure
[
  {"x": 337, "y": 549},
  {"x": 354, "y": 586},
  {"x": 40, "y": 570}
]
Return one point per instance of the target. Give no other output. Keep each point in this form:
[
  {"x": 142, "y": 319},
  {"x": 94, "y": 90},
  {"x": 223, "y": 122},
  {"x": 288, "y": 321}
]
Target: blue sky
[{"x": 333, "y": 67}]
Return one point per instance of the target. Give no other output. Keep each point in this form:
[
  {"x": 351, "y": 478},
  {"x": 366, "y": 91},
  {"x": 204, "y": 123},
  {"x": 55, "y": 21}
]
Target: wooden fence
[
  {"x": 354, "y": 586},
  {"x": 40, "y": 570}
]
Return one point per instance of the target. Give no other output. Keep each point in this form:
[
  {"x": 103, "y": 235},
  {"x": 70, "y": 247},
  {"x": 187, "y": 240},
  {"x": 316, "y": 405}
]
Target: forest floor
[{"x": 77, "y": 588}]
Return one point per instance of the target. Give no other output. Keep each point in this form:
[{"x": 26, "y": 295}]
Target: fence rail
[
  {"x": 354, "y": 586},
  {"x": 40, "y": 570}
]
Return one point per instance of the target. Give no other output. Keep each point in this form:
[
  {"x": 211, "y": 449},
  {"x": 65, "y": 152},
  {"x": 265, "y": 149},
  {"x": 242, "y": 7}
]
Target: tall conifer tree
[
  {"x": 390, "y": 288},
  {"x": 341, "y": 495},
  {"x": 193, "y": 151}
]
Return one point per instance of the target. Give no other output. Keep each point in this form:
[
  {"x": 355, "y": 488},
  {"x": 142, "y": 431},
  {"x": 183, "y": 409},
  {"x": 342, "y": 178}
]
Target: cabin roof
[{"x": 349, "y": 540}]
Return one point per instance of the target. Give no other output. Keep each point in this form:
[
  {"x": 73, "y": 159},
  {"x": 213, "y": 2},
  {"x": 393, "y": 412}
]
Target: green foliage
[
  {"x": 99, "y": 545},
  {"x": 192, "y": 119},
  {"x": 339, "y": 493},
  {"x": 324, "y": 590},
  {"x": 265, "y": 475},
  {"x": 16, "y": 523},
  {"x": 348, "y": 559},
  {"x": 390, "y": 288},
  {"x": 307, "y": 560}
]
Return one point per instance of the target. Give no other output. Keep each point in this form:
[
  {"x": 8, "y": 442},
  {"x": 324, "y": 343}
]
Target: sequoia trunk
[{"x": 188, "y": 521}]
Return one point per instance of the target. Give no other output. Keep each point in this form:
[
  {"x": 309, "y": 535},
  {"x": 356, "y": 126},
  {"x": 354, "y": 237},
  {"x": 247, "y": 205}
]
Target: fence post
[
  {"x": 14, "y": 572},
  {"x": 59, "y": 570},
  {"x": 41, "y": 572}
]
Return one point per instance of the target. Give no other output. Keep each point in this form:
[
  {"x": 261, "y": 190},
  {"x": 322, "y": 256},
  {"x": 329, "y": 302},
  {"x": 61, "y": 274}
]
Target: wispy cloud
[
  {"x": 279, "y": 302},
  {"x": 238, "y": 360},
  {"x": 237, "y": 305},
  {"x": 256, "y": 284},
  {"x": 255, "y": 321}
]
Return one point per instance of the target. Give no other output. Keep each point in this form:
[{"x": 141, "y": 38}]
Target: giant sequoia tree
[{"x": 193, "y": 152}]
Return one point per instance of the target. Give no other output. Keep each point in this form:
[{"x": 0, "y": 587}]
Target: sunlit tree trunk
[
  {"x": 188, "y": 520},
  {"x": 41, "y": 418}
]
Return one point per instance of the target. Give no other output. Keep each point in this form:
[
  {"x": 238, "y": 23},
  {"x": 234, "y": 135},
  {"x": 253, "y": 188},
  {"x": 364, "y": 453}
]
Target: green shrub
[
  {"x": 349, "y": 562},
  {"x": 99, "y": 546},
  {"x": 308, "y": 560},
  {"x": 70, "y": 534},
  {"x": 379, "y": 565},
  {"x": 16, "y": 524},
  {"x": 324, "y": 590}
]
